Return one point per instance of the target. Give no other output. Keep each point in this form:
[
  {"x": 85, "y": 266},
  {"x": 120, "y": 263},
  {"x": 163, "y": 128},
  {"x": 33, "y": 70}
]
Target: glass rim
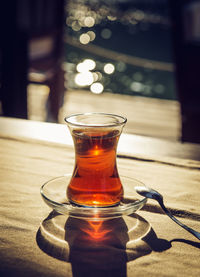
[{"x": 122, "y": 121}]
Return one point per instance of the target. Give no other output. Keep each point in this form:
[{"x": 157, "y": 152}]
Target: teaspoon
[{"x": 153, "y": 194}]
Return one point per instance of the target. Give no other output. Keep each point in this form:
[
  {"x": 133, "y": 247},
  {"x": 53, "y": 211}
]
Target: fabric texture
[{"x": 34, "y": 241}]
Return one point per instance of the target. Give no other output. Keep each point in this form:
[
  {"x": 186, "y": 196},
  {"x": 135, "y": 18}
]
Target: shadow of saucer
[{"x": 97, "y": 248}]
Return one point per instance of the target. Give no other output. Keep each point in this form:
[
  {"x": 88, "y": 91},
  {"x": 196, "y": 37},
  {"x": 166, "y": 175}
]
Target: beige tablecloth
[{"x": 35, "y": 241}]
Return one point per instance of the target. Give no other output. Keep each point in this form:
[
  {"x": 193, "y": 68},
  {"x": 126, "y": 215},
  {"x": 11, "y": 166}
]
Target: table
[{"x": 38, "y": 242}]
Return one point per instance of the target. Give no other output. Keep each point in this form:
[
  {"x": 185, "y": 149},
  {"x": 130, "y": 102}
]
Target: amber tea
[{"x": 95, "y": 180}]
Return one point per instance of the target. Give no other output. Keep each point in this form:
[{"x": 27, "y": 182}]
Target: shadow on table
[
  {"x": 98, "y": 248},
  {"x": 189, "y": 242}
]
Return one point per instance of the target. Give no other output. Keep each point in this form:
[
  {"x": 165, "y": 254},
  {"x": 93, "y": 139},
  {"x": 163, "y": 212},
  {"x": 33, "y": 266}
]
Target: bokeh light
[
  {"x": 76, "y": 26},
  {"x": 89, "y": 64},
  {"x": 137, "y": 76},
  {"x": 84, "y": 38},
  {"x": 136, "y": 86},
  {"x": 159, "y": 89},
  {"x": 89, "y": 21},
  {"x": 91, "y": 35},
  {"x": 109, "y": 68},
  {"x": 86, "y": 65},
  {"x": 97, "y": 88},
  {"x": 80, "y": 67},
  {"x": 106, "y": 33},
  {"x": 121, "y": 67},
  {"x": 94, "y": 23},
  {"x": 84, "y": 78},
  {"x": 97, "y": 76},
  {"x": 111, "y": 17}
]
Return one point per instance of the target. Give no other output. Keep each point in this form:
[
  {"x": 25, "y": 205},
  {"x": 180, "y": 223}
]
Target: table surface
[{"x": 38, "y": 242}]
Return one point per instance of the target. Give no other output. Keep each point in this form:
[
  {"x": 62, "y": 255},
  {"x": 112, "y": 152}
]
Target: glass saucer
[{"x": 54, "y": 195}]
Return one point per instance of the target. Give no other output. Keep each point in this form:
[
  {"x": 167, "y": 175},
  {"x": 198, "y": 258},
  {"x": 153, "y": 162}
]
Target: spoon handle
[{"x": 193, "y": 232}]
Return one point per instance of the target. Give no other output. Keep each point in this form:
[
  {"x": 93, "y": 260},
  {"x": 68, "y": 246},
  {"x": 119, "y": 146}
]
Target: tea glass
[{"x": 95, "y": 181}]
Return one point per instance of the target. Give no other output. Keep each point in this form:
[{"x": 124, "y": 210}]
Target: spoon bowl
[{"x": 153, "y": 194}]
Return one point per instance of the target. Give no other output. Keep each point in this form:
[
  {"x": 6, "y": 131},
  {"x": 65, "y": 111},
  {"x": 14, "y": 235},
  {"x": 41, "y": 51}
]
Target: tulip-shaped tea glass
[{"x": 95, "y": 180}]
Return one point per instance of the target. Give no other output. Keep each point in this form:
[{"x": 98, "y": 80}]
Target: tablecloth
[{"x": 35, "y": 241}]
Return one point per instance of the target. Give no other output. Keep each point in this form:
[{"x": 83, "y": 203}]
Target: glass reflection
[{"x": 96, "y": 230}]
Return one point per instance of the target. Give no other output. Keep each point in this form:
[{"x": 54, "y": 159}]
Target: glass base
[
  {"x": 86, "y": 206},
  {"x": 54, "y": 195}
]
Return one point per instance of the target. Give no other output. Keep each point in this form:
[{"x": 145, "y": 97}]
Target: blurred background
[
  {"x": 128, "y": 46},
  {"x": 137, "y": 58}
]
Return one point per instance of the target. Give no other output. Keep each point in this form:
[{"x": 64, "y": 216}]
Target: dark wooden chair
[
  {"x": 31, "y": 45},
  {"x": 186, "y": 45}
]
